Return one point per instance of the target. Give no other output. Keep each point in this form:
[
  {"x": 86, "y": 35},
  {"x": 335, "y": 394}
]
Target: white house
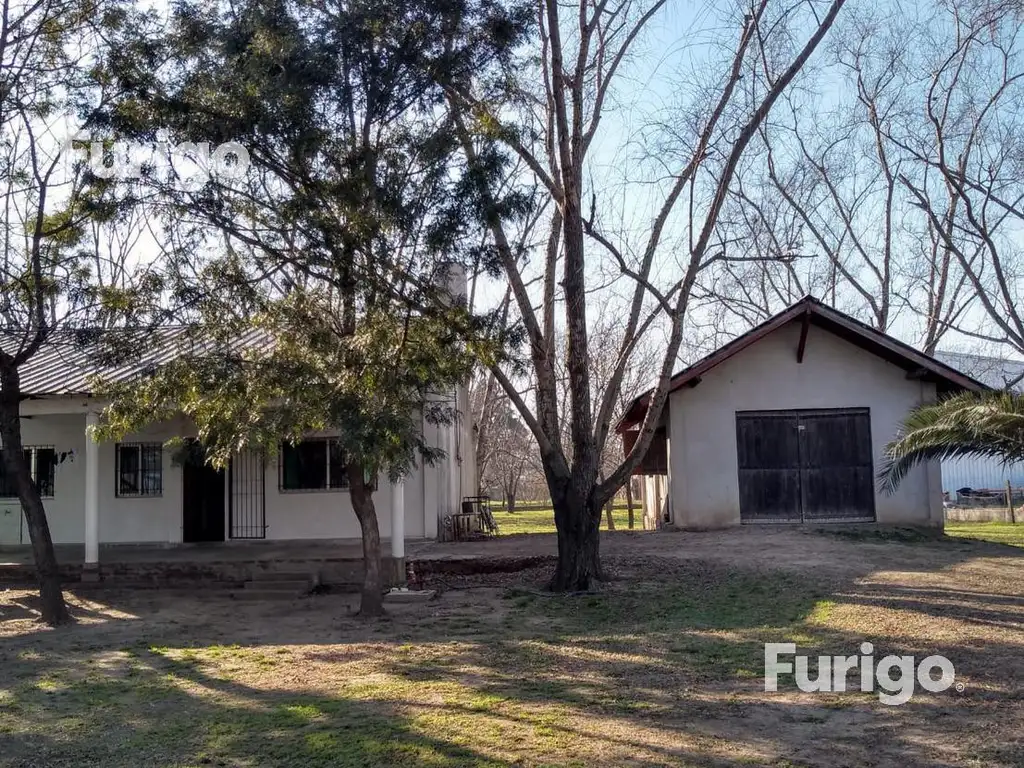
[
  {"x": 788, "y": 423},
  {"x": 135, "y": 491}
]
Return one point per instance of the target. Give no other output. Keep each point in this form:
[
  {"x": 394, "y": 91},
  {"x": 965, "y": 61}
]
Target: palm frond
[{"x": 989, "y": 424}]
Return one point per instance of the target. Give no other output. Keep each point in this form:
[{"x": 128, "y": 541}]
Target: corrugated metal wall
[{"x": 973, "y": 472}]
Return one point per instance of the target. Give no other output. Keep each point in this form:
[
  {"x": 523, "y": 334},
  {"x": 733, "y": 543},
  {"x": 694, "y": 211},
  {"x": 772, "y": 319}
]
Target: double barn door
[{"x": 805, "y": 466}]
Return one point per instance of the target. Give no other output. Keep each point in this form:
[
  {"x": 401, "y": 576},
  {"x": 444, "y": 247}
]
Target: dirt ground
[{"x": 663, "y": 667}]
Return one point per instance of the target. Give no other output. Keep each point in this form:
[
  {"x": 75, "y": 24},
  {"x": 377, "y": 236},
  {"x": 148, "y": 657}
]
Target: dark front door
[
  {"x": 203, "y": 502},
  {"x": 810, "y": 466}
]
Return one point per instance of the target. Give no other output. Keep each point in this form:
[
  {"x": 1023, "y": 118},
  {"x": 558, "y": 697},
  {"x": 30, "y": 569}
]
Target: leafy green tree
[
  {"x": 350, "y": 207},
  {"x": 988, "y": 424},
  {"x": 295, "y": 372},
  {"x": 353, "y": 178}
]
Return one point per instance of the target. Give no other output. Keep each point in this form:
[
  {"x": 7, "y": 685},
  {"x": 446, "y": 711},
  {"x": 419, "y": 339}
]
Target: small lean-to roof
[
  {"x": 69, "y": 361},
  {"x": 848, "y": 328}
]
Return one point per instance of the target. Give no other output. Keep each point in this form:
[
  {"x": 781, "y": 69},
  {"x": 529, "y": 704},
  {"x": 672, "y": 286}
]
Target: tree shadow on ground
[
  {"x": 664, "y": 667},
  {"x": 152, "y": 714}
]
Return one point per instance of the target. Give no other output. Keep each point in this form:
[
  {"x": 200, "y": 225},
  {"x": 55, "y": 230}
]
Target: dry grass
[{"x": 662, "y": 668}]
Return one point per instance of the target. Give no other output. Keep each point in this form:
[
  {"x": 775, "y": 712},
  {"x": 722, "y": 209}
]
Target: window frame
[
  {"x": 141, "y": 469},
  {"x": 327, "y": 487},
  {"x": 32, "y": 456}
]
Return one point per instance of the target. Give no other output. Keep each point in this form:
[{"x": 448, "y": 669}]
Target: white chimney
[{"x": 451, "y": 276}]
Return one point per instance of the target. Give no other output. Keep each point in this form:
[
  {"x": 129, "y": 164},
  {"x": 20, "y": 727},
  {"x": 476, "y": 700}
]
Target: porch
[{"x": 137, "y": 502}]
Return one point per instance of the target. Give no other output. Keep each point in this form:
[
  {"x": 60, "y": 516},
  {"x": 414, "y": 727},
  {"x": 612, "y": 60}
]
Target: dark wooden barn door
[
  {"x": 810, "y": 466},
  {"x": 836, "y": 474},
  {"x": 769, "y": 463}
]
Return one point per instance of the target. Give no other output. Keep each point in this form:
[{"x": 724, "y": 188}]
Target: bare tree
[
  {"x": 638, "y": 376},
  {"x": 552, "y": 129},
  {"x": 830, "y": 204},
  {"x": 512, "y": 452},
  {"x": 967, "y": 185}
]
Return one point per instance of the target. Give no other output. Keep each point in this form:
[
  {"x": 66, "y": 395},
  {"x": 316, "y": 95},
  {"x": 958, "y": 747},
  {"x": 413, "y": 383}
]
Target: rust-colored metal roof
[
  {"x": 70, "y": 360},
  {"x": 848, "y": 328}
]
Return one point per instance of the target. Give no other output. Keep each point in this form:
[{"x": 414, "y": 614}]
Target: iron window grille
[
  {"x": 315, "y": 464},
  {"x": 42, "y": 462},
  {"x": 139, "y": 469}
]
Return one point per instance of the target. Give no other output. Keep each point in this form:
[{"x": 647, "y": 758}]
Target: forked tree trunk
[
  {"x": 579, "y": 559},
  {"x": 372, "y": 597},
  {"x": 609, "y": 511},
  {"x": 51, "y": 594}
]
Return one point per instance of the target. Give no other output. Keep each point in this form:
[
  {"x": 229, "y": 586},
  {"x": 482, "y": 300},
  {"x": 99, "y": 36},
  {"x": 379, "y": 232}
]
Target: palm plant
[{"x": 969, "y": 424}]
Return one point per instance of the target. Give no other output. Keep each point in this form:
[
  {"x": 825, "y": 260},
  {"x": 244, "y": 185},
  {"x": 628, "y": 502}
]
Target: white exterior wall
[
  {"x": 653, "y": 500},
  {"x": 141, "y": 520},
  {"x": 290, "y": 515},
  {"x": 703, "y": 468}
]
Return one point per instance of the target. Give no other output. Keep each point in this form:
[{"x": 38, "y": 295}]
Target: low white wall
[
  {"x": 766, "y": 376},
  {"x": 983, "y": 514}
]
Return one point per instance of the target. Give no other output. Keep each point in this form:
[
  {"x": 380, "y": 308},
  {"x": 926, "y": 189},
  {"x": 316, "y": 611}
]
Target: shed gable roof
[{"x": 842, "y": 325}]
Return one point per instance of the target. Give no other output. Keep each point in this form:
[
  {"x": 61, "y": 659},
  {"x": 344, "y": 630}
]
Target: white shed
[{"x": 788, "y": 424}]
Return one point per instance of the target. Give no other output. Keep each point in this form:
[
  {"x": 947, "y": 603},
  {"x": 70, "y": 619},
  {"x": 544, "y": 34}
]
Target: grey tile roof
[{"x": 69, "y": 361}]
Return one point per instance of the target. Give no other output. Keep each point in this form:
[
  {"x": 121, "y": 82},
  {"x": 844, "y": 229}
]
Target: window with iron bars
[
  {"x": 139, "y": 469},
  {"x": 315, "y": 464},
  {"x": 42, "y": 462}
]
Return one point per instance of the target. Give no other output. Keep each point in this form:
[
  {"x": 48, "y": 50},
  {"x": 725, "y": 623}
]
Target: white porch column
[
  {"x": 398, "y": 519},
  {"x": 92, "y": 495}
]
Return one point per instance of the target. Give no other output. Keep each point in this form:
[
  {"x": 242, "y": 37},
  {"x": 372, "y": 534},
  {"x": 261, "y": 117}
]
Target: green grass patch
[
  {"x": 996, "y": 533},
  {"x": 498, "y": 696},
  {"x": 542, "y": 519}
]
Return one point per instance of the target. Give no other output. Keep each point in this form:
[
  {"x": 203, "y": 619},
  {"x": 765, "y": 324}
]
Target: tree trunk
[
  {"x": 629, "y": 502},
  {"x": 579, "y": 561},
  {"x": 372, "y": 598},
  {"x": 609, "y": 511},
  {"x": 54, "y": 609},
  {"x": 510, "y": 504}
]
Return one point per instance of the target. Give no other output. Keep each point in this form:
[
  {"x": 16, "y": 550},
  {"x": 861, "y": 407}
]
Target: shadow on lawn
[
  {"x": 685, "y": 655},
  {"x": 673, "y": 650},
  {"x": 150, "y": 716}
]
